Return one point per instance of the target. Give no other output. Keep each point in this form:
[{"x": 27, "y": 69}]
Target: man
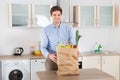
[{"x": 53, "y": 35}]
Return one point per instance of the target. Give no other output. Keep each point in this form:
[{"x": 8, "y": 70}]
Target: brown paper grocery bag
[{"x": 67, "y": 61}]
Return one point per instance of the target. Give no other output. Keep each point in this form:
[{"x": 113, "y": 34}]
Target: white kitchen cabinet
[
  {"x": 95, "y": 16},
  {"x": 41, "y": 15},
  {"x": 19, "y": 15},
  {"x": 65, "y": 5},
  {"x": 110, "y": 65},
  {"x": 91, "y": 62},
  {"x": 105, "y": 16},
  {"x": 37, "y": 65},
  {"x": 0, "y": 69},
  {"x": 87, "y": 16},
  {"x": 29, "y": 15}
]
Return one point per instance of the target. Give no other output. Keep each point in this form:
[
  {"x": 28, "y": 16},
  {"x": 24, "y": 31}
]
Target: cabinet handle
[
  {"x": 98, "y": 61},
  {"x": 103, "y": 61}
]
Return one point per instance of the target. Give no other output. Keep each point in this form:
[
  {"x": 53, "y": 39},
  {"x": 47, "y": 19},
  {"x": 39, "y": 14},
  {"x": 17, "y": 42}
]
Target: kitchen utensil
[{"x": 18, "y": 51}]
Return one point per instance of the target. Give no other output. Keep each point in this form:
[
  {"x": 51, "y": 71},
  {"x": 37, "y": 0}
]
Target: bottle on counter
[
  {"x": 32, "y": 49},
  {"x": 97, "y": 48}
]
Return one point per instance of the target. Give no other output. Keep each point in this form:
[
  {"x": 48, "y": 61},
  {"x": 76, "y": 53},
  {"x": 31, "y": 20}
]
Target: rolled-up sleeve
[{"x": 44, "y": 44}]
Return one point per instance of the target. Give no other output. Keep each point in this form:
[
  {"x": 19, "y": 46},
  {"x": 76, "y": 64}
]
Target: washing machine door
[
  {"x": 15, "y": 70},
  {"x": 16, "y": 75}
]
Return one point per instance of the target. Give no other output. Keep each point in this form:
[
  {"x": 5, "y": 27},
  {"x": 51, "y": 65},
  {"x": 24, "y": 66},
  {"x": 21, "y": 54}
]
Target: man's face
[{"x": 56, "y": 17}]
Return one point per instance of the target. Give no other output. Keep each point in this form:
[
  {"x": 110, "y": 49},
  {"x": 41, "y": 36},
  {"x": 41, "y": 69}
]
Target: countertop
[
  {"x": 85, "y": 74},
  {"x": 27, "y": 56},
  {"x": 31, "y": 56}
]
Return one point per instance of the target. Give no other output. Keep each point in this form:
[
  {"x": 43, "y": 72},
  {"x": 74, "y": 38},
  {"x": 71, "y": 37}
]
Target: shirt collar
[{"x": 54, "y": 25}]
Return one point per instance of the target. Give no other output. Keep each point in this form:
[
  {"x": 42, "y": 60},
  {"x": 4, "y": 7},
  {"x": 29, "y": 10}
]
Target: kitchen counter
[
  {"x": 30, "y": 56},
  {"x": 85, "y": 74},
  {"x": 11, "y": 57}
]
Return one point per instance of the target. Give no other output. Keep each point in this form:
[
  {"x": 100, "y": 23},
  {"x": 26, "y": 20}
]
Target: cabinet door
[
  {"x": 84, "y": 16},
  {"x": 91, "y": 62},
  {"x": 40, "y": 15},
  {"x": 27, "y": 15},
  {"x": 65, "y": 5},
  {"x": 19, "y": 15},
  {"x": 98, "y": 16},
  {"x": 37, "y": 65},
  {"x": 87, "y": 16},
  {"x": 105, "y": 16},
  {"x": 110, "y": 65}
]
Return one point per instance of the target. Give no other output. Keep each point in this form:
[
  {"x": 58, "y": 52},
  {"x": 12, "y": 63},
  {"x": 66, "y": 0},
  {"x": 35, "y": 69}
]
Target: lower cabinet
[
  {"x": 91, "y": 62},
  {"x": 108, "y": 64},
  {"x": 36, "y": 65}
]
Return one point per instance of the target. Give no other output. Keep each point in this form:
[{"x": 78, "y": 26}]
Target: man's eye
[
  {"x": 58, "y": 14},
  {"x": 54, "y": 14}
]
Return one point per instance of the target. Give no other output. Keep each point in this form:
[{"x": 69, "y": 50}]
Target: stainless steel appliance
[{"x": 80, "y": 62}]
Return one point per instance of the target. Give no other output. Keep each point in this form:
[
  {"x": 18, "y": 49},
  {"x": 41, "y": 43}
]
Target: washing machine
[{"x": 16, "y": 69}]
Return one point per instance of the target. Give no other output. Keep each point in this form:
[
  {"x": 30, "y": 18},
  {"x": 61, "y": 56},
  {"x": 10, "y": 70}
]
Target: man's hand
[{"x": 53, "y": 57}]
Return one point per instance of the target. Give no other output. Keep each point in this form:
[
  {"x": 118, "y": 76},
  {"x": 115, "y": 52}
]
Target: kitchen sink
[
  {"x": 108, "y": 52},
  {"x": 103, "y": 52}
]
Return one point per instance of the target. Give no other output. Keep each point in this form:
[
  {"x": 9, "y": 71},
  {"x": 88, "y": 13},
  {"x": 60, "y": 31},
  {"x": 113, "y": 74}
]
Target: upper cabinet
[
  {"x": 40, "y": 15},
  {"x": 87, "y": 16},
  {"x": 29, "y": 15},
  {"x": 65, "y": 5},
  {"x": 105, "y": 16},
  {"x": 19, "y": 15},
  {"x": 97, "y": 16}
]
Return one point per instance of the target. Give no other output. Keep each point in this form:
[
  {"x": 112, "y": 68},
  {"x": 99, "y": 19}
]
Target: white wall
[{"x": 26, "y": 37}]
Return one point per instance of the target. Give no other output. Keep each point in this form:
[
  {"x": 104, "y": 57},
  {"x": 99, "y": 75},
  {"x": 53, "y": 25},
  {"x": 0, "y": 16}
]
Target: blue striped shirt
[{"x": 52, "y": 36}]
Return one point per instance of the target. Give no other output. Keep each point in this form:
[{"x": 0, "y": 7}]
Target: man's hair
[{"x": 55, "y": 8}]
